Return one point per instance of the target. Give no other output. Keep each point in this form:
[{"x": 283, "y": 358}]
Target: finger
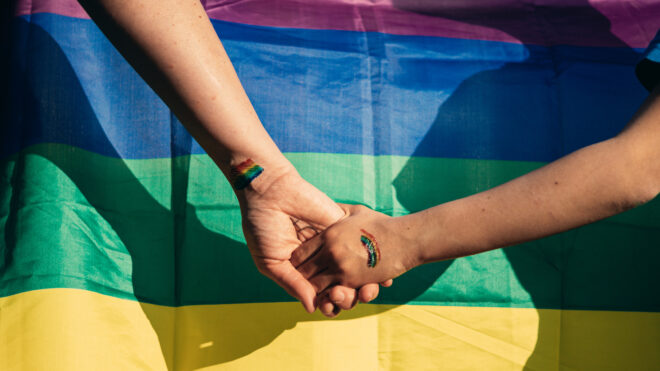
[
  {"x": 285, "y": 275},
  {"x": 368, "y": 292},
  {"x": 321, "y": 281},
  {"x": 305, "y": 251},
  {"x": 327, "y": 308},
  {"x": 315, "y": 264},
  {"x": 343, "y": 297},
  {"x": 387, "y": 283},
  {"x": 311, "y": 269}
]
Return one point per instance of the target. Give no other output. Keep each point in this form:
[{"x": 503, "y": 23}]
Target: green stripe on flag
[{"x": 71, "y": 218}]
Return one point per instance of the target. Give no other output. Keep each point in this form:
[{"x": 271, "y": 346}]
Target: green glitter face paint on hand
[
  {"x": 245, "y": 172},
  {"x": 369, "y": 243}
]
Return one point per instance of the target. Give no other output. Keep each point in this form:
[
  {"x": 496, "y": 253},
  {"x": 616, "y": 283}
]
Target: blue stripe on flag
[{"x": 329, "y": 92}]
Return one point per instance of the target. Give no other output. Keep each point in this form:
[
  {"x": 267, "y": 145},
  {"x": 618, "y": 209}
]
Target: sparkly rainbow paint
[
  {"x": 245, "y": 172},
  {"x": 369, "y": 243}
]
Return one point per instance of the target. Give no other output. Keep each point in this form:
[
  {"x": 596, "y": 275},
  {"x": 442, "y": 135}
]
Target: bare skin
[
  {"x": 590, "y": 184},
  {"x": 174, "y": 47}
]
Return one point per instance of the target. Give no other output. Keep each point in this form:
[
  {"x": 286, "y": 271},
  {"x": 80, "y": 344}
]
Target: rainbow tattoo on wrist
[
  {"x": 369, "y": 243},
  {"x": 245, "y": 172}
]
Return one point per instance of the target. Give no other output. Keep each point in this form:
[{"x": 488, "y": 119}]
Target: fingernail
[{"x": 337, "y": 297}]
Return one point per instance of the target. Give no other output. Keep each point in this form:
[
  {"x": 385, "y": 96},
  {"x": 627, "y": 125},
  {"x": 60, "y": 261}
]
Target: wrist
[
  {"x": 408, "y": 243},
  {"x": 421, "y": 239},
  {"x": 253, "y": 177}
]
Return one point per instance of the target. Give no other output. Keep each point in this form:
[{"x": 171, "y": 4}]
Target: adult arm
[
  {"x": 590, "y": 184},
  {"x": 173, "y": 46}
]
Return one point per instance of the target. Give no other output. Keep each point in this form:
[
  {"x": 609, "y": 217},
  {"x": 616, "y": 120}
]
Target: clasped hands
[{"x": 313, "y": 248}]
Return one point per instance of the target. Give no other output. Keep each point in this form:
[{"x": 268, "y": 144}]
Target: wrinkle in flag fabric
[{"x": 121, "y": 243}]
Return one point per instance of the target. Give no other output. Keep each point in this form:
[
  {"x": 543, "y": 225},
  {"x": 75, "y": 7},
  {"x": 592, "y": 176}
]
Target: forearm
[
  {"x": 588, "y": 185},
  {"x": 174, "y": 47}
]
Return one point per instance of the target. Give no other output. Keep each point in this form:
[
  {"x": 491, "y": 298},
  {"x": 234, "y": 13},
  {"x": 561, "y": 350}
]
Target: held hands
[
  {"x": 365, "y": 246},
  {"x": 281, "y": 212}
]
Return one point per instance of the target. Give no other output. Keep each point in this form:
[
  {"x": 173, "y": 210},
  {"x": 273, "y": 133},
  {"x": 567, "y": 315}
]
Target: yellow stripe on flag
[{"x": 67, "y": 329}]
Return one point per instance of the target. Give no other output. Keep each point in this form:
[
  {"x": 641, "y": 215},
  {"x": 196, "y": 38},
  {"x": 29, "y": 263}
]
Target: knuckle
[{"x": 331, "y": 234}]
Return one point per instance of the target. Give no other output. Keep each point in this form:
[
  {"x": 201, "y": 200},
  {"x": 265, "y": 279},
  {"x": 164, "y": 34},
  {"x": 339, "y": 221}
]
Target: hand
[
  {"x": 365, "y": 246},
  {"x": 276, "y": 220}
]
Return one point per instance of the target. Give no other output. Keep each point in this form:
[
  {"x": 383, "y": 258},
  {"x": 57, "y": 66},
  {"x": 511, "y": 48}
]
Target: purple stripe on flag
[{"x": 604, "y": 23}]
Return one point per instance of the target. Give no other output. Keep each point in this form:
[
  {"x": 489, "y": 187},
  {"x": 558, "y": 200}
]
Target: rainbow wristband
[
  {"x": 245, "y": 172},
  {"x": 369, "y": 243}
]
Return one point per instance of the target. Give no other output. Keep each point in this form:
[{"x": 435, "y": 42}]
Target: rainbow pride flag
[{"x": 120, "y": 241}]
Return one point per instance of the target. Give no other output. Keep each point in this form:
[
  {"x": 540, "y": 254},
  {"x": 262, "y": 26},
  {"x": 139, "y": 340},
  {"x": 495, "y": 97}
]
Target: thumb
[
  {"x": 334, "y": 212},
  {"x": 319, "y": 210}
]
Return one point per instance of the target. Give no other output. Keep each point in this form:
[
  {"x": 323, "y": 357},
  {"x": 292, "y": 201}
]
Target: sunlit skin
[
  {"x": 174, "y": 47},
  {"x": 590, "y": 184}
]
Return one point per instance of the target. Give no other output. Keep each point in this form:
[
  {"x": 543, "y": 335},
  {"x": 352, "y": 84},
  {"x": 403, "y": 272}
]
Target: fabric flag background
[{"x": 120, "y": 241}]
